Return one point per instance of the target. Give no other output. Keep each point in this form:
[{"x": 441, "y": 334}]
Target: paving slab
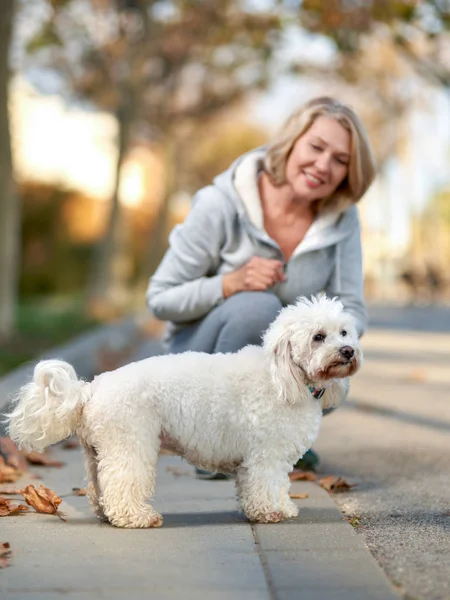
[{"x": 205, "y": 549}]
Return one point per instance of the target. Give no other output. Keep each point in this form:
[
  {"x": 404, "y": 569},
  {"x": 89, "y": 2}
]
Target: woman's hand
[{"x": 258, "y": 274}]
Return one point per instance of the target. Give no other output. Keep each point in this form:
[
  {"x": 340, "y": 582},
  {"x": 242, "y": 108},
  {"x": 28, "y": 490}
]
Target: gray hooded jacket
[{"x": 222, "y": 232}]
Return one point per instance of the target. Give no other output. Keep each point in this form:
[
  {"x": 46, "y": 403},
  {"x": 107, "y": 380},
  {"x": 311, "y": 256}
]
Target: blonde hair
[{"x": 361, "y": 167}]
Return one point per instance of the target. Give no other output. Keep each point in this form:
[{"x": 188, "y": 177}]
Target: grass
[{"x": 40, "y": 325}]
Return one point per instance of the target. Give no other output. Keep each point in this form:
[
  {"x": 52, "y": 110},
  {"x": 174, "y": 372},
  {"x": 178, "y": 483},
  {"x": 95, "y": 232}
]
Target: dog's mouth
[
  {"x": 340, "y": 368},
  {"x": 343, "y": 362}
]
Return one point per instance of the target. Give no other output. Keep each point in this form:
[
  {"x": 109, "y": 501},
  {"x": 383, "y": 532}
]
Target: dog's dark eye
[
  {"x": 319, "y": 337},
  {"x": 343, "y": 333}
]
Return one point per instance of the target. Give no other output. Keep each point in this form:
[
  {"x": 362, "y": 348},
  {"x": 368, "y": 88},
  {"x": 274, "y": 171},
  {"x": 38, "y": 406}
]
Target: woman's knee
[
  {"x": 252, "y": 309},
  {"x": 244, "y": 318},
  {"x": 239, "y": 321}
]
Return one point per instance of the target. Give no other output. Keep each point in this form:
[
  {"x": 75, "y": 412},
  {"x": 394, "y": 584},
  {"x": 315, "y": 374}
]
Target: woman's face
[{"x": 318, "y": 162}]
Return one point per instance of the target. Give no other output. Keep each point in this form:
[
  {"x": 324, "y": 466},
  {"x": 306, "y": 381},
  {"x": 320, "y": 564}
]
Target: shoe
[
  {"x": 308, "y": 462},
  {"x": 203, "y": 474}
]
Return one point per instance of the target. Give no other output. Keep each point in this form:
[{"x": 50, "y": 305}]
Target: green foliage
[
  {"x": 45, "y": 38},
  {"x": 42, "y": 324},
  {"x": 55, "y": 318}
]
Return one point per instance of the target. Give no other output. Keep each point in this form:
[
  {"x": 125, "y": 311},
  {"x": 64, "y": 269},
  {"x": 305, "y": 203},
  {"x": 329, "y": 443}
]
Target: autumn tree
[
  {"x": 218, "y": 140},
  {"x": 419, "y": 30},
  {"x": 154, "y": 66},
  {"x": 9, "y": 209}
]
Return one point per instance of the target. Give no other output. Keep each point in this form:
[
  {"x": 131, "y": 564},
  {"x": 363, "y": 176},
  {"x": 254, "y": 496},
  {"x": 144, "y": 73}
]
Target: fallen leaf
[
  {"x": 43, "y": 500},
  {"x": 18, "y": 509},
  {"x": 12, "y": 455},
  {"x": 11, "y": 492},
  {"x": 8, "y": 509},
  {"x": 5, "y": 555},
  {"x": 36, "y": 458},
  {"x": 335, "y": 484},
  {"x": 8, "y": 474},
  {"x": 298, "y": 496},
  {"x": 302, "y": 476},
  {"x": 79, "y": 491},
  {"x": 71, "y": 445},
  {"x": 418, "y": 375},
  {"x": 153, "y": 328},
  {"x": 177, "y": 472}
]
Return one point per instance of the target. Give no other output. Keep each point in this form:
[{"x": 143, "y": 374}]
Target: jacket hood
[{"x": 239, "y": 184}]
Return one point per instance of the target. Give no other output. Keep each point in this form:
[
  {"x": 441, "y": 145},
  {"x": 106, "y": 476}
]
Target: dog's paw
[
  {"x": 273, "y": 517},
  {"x": 269, "y": 517},
  {"x": 137, "y": 521},
  {"x": 290, "y": 510}
]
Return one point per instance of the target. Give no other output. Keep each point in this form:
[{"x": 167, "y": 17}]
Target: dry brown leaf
[
  {"x": 71, "y": 445},
  {"x": 18, "y": 509},
  {"x": 79, "y": 491},
  {"x": 8, "y": 474},
  {"x": 418, "y": 375},
  {"x": 43, "y": 499},
  {"x": 177, "y": 472},
  {"x": 11, "y": 492},
  {"x": 335, "y": 484},
  {"x": 36, "y": 458},
  {"x": 302, "y": 476},
  {"x": 5, "y": 555},
  {"x": 12, "y": 455},
  {"x": 8, "y": 509},
  {"x": 298, "y": 496},
  {"x": 153, "y": 328}
]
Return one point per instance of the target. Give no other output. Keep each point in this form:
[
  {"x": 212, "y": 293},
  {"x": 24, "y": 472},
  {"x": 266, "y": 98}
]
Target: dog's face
[
  {"x": 327, "y": 347},
  {"x": 313, "y": 342}
]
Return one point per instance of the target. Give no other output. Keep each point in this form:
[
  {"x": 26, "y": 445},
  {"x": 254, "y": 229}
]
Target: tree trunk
[
  {"x": 158, "y": 242},
  {"x": 9, "y": 207},
  {"x": 104, "y": 275}
]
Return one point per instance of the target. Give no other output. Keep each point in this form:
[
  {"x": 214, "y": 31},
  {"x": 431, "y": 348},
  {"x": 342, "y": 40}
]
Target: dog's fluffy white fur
[{"x": 251, "y": 413}]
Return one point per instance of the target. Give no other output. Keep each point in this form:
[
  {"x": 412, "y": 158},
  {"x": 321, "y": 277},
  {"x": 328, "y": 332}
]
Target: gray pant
[{"x": 239, "y": 321}]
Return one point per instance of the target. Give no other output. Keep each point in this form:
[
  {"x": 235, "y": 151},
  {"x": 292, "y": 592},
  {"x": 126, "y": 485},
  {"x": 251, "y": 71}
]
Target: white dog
[{"x": 253, "y": 413}]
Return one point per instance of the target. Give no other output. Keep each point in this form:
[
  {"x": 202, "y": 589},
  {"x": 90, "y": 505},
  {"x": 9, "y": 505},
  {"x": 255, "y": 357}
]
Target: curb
[{"x": 86, "y": 352}]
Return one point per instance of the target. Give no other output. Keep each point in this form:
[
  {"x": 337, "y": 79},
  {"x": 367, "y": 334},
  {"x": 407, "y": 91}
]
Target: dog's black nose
[{"x": 347, "y": 352}]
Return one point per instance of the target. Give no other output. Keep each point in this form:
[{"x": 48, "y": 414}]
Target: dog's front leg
[{"x": 263, "y": 492}]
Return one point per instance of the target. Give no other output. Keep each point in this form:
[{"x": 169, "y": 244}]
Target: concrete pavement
[
  {"x": 391, "y": 439},
  {"x": 205, "y": 549}
]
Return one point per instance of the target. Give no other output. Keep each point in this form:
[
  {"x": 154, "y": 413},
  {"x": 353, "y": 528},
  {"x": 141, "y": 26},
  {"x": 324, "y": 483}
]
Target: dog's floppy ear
[{"x": 287, "y": 376}]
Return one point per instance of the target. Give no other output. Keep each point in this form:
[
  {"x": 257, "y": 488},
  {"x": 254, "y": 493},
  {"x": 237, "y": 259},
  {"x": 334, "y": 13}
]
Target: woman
[{"x": 280, "y": 223}]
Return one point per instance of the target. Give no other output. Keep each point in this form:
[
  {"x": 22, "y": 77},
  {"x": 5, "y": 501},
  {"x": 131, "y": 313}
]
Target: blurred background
[{"x": 114, "y": 112}]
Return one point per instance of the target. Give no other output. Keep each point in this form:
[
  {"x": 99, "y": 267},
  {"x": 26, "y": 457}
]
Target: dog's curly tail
[{"x": 48, "y": 408}]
